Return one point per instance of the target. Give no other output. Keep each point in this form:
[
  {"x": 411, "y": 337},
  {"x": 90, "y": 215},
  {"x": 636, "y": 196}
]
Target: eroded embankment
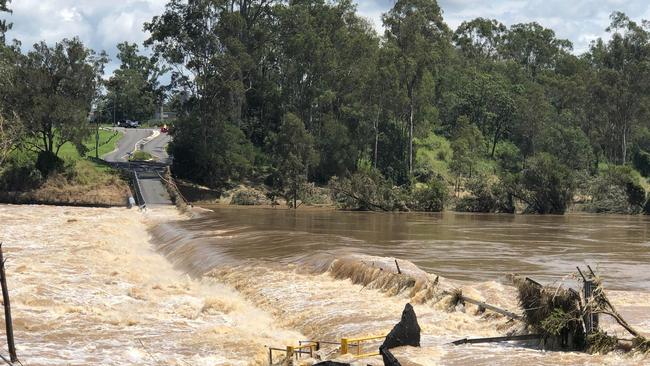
[{"x": 87, "y": 289}]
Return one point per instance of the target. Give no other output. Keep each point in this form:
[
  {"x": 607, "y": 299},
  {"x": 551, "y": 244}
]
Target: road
[
  {"x": 150, "y": 140},
  {"x": 126, "y": 144}
]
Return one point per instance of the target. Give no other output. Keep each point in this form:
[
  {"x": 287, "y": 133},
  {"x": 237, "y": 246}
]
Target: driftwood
[
  {"x": 460, "y": 298},
  {"x": 7, "y": 306},
  {"x": 525, "y": 337}
]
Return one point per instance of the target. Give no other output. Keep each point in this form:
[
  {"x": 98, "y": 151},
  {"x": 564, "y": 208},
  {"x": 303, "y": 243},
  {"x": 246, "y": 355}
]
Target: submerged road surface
[{"x": 152, "y": 189}]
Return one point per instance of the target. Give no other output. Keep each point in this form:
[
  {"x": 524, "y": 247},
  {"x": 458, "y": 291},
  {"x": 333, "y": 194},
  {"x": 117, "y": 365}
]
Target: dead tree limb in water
[
  {"x": 399, "y": 271},
  {"x": 459, "y": 297},
  {"x": 7, "y": 305}
]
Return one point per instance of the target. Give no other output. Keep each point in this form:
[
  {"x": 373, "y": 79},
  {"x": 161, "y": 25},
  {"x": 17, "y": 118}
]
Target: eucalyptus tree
[
  {"x": 417, "y": 28},
  {"x": 4, "y": 26},
  {"x": 480, "y": 39},
  {"x": 208, "y": 44},
  {"x": 133, "y": 91},
  {"x": 619, "y": 92}
]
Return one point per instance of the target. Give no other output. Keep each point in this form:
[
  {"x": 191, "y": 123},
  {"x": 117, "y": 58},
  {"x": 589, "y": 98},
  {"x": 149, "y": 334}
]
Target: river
[
  {"x": 96, "y": 286},
  {"x": 300, "y": 267}
]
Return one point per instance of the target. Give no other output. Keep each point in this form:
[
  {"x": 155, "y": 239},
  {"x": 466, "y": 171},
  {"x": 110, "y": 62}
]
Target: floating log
[
  {"x": 487, "y": 306},
  {"x": 525, "y": 337}
]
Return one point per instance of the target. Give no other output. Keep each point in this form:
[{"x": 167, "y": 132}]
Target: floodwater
[
  {"x": 326, "y": 274},
  {"x": 119, "y": 287}
]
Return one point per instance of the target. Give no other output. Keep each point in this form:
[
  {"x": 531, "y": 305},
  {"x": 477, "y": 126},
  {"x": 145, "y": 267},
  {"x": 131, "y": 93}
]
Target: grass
[
  {"x": 141, "y": 156},
  {"x": 435, "y": 153},
  {"x": 107, "y": 143}
]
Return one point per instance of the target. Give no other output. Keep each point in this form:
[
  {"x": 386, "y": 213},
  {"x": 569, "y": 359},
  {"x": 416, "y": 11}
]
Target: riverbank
[
  {"x": 87, "y": 288},
  {"x": 83, "y": 183}
]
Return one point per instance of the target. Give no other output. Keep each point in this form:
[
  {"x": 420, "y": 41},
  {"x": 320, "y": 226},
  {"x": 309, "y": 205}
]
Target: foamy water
[
  {"x": 87, "y": 289},
  {"x": 119, "y": 287}
]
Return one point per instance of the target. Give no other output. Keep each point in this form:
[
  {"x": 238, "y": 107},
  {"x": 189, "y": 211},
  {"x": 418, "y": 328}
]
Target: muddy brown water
[
  {"x": 297, "y": 266},
  {"x": 475, "y": 247}
]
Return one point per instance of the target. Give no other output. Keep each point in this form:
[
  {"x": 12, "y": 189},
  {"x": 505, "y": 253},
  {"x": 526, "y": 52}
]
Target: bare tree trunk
[
  {"x": 5, "y": 299},
  {"x": 624, "y": 147},
  {"x": 376, "y": 138},
  {"x": 411, "y": 133}
]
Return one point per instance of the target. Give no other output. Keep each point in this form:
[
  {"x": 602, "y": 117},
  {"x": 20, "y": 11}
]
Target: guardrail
[
  {"x": 309, "y": 347},
  {"x": 290, "y": 351},
  {"x": 347, "y": 343},
  {"x": 138, "y": 190}
]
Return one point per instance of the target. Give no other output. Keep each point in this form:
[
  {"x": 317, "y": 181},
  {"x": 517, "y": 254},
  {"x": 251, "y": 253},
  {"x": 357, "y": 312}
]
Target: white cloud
[{"x": 101, "y": 24}]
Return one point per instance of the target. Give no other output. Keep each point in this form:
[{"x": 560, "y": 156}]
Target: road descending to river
[
  {"x": 153, "y": 142},
  {"x": 149, "y": 140}
]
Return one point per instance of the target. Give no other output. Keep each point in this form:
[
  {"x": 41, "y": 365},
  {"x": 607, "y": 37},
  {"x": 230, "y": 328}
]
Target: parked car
[
  {"x": 121, "y": 123},
  {"x": 132, "y": 124}
]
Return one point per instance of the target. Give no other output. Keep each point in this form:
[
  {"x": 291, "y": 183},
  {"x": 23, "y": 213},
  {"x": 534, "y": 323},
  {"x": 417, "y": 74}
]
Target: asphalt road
[
  {"x": 158, "y": 147},
  {"x": 152, "y": 141},
  {"x": 127, "y": 143}
]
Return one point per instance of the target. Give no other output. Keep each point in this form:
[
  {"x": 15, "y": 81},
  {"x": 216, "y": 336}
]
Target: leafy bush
[
  {"x": 312, "y": 195},
  {"x": 431, "y": 198},
  {"x": 248, "y": 197},
  {"x": 366, "y": 190},
  {"x": 641, "y": 161},
  {"x": 545, "y": 185},
  {"x": 486, "y": 196},
  {"x": 47, "y": 162},
  {"x": 617, "y": 189},
  {"x": 20, "y": 175}
]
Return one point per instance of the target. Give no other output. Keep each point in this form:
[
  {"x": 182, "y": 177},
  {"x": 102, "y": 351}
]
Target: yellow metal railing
[
  {"x": 347, "y": 343},
  {"x": 304, "y": 349}
]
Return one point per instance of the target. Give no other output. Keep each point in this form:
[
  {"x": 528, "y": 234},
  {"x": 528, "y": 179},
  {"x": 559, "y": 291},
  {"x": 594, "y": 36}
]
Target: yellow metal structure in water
[{"x": 347, "y": 343}]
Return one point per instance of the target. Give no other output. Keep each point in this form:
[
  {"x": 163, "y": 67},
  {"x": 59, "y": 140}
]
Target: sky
[{"x": 101, "y": 24}]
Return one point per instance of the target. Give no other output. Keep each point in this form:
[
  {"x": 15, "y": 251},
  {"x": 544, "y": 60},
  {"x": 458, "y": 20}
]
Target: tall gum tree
[{"x": 416, "y": 27}]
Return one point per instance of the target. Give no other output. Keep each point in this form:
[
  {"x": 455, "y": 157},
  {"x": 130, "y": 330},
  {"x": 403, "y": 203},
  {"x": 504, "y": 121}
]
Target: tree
[
  {"x": 417, "y": 29},
  {"x": 480, "y": 38},
  {"x": 619, "y": 93},
  {"x": 4, "y": 26},
  {"x": 10, "y": 135},
  {"x": 488, "y": 101},
  {"x": 534, "y": 47},
  {"x": 55, "y": 87},
  {"x": 545, "y": 185},
  {"x": 208, "y": 45},
  {"x": 293, "y": 149},
  {"x": 133, "y": 91},
  {"x": 469, "y": 147}
]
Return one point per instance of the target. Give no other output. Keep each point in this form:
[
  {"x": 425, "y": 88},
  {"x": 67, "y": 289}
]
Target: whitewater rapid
[
  {"x": 119, "y": 287},
  {"x": 87, "y": 288}
]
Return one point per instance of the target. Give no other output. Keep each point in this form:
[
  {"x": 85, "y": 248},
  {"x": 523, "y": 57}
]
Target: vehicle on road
[
  {"x": 164, "y": 129},
  {"x": 127, "y": 123}
]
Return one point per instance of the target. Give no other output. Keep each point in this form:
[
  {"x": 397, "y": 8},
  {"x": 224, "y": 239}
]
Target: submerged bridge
[{"x": 147, "y": 176}]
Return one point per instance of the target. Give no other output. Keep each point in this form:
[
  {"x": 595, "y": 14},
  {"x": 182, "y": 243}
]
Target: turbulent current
[{"x": 109, "y": 286}]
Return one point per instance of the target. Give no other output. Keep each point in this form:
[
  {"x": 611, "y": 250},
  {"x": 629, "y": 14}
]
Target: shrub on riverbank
[
  {"x": 546, "y": 185},
  {"x": 617, "y": 189},
  {"x": 370, "y": 191},
  {"x": 485, "y": 196},
  {"x": 248, "y": 197},
  {"x": 74, "y": 182}
]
